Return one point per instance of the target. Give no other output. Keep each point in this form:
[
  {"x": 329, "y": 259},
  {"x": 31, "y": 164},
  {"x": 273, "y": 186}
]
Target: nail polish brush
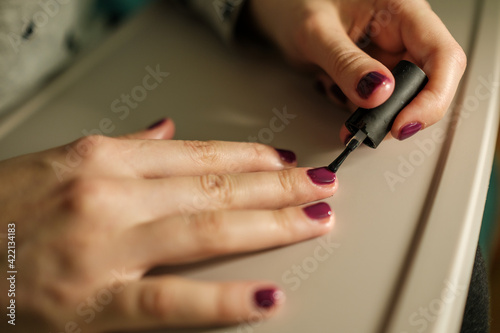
[{"x": 372, "y": 125}]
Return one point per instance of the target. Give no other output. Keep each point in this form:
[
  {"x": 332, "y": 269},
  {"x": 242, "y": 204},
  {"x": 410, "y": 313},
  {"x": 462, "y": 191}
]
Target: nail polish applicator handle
[{"x": 370, "y": 126}]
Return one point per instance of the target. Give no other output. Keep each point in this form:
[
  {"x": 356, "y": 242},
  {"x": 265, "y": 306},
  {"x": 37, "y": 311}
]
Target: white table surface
[{"x": 394, "y": 249}]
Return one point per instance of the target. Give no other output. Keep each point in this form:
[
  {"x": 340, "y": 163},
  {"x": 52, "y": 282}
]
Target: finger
[
  {"x": 161, "y": 129},
  {"x": 331, "y": 89},
  {"x": 390, "y": 60},
  {"x": 364, "y": 80},
  {"x": 170, "y": 301},
  {"x": 325, "y": 86},
  {"x": 114, "y": 157},
  {"x": 140, "y": 200},
  {"x": 345, "y": 135},
  {"x": 433, "y": 48},
  {"x": 158, "y": 158},
  {"x": 189, "y": 238}
]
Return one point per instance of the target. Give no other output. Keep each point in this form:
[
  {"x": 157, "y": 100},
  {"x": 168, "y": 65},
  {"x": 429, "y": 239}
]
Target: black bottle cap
[{"x": 377, "y": 122}]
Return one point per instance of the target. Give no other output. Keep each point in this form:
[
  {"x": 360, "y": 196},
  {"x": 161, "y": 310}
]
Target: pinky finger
[{"x": 171, "y": 301}]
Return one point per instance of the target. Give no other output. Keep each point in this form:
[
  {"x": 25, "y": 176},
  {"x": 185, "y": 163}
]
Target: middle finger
[{"x": 142, "y": 200}]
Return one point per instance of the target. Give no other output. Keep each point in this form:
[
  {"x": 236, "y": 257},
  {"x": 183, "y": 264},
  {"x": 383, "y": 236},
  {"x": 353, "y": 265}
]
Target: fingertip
[
  {"x": 268, "y": 298},
  {"x": 157, "y": 124},
  {"x": 244, "y": 302},
  {"x": 287, "y": 157},
  {"x": 321, "y": 213},
  {"x": 361, "y": 78},
  {"x": 409, "y": 130},
  {"x": 161, "y": 129},
  {"x": 322, "y": 177}
]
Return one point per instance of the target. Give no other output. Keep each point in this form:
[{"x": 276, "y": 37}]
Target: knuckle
[
  {"x": 344, "y": 60},
  {"x": 84, "y": 195},
  {"x": 156, "y": 301},
  {"x": 311, "y": 23},
  {"x": 258, "y": 151},
  {"x": 93, "y": 148},
  {"x": 458, "y": 56},
  {"x": 202, "y": 152},
  {"x": 209, "y": 233},
  {"x": 218, "y": 188},
  {"x": 223, "y": 310},
  {"x": 286, "y": 182},
  {"x": 440, "y": 105},
  {"x": 397, "y": 6},
  {"x": 283, "y": 221}
]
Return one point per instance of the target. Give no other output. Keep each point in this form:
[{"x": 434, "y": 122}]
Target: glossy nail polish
[
  {"x": 267, "y": 298},
  {"x": 287, "y": 156},
  {"x": 320, "y": 87},
  {"x": 158, "y": 123},
  {"x": 338, "y": 93},
  {"x": 371, "y": 82},
  {"x": 321, "y": 176},
  {"x": 409, "y": 130},
  {"x": 318, "y": 211}
]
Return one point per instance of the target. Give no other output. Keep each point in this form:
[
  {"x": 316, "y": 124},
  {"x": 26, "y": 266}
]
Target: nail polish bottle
[{"x": 370, "y": 126}]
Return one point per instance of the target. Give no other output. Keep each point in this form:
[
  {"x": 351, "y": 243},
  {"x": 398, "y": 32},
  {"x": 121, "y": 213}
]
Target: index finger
[{"x": 433, "y": 48}]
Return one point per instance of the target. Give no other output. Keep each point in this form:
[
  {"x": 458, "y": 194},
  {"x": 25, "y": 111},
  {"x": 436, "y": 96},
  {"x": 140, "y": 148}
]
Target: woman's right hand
[
  {"x": 91, "y": 218},
  {"x": 356, "y": 43}
]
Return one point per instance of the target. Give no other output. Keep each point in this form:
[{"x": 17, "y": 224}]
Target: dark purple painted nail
[
  {"x": 348, "y": 138},
  {"x": 338, "y": 93},
  {"x": 321, "y": 176},
  {"x": 318, "y": 211},
  {"x": 371, "y": 82},
  {"x": 287, "y": 156},
  {"x": 267, "y": 298},
  {"x": 320, "y": 87},
  {"x": 158, "y": 123},
  {"x": 409, "y": 130}
]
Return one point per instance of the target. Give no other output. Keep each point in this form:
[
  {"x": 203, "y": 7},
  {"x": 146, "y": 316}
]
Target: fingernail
[
  {"x": 318, "y": 211},
  {"x": 321, "y": 176},
  {"x": 348, "y": 138},
  {"x": 158, "y": 123},
  {"x": 320, "y": 87},
  {"x": 338, "y": 93},
  {"x": 267, "y": 298},
  {"x": 371, "y": 82},
  {"x": 287, "y": 156},
  {"x": 409, "y": 130}
]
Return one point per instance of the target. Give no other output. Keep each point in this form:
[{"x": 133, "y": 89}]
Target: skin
[
  {"x": 324, "y": 33},
  {"x": 135, "y": 203}
]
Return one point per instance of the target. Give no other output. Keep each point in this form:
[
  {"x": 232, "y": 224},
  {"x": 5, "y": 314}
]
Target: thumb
[
  {"x": 162, "y": 129},
  {"x": 364, "y": 80}
]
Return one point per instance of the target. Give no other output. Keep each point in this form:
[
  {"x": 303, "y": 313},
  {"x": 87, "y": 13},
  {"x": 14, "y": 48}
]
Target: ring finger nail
[
  {"x": 409, "y": 130},
  {"x": 318, "y": 211}
]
